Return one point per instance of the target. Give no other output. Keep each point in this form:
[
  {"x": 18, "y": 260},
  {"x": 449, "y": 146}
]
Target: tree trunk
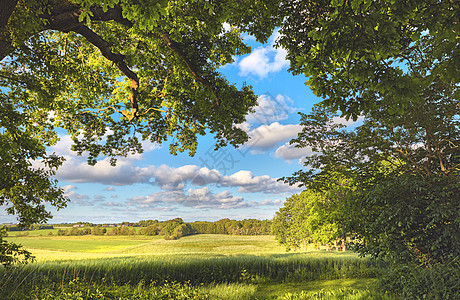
[
  {"x": 344, "y": 245},
  {"x": 6, "y": 9}
]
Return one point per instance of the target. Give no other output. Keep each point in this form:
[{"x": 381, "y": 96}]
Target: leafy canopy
[
  {"x": 114, "y": 73},
  {"x": 361, "y": 54},
  {"x": 404, "y": 174},
  {"x": 396, "y": 65}
]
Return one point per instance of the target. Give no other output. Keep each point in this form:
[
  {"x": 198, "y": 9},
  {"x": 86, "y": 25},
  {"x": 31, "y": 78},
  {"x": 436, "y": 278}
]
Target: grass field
[
  {"x": 199, "y": 266},
  {"x": 47, "y": 248}
]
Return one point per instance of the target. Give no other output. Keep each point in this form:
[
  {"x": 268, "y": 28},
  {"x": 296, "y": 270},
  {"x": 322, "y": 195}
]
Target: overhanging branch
[
  {"x": 176, "y": 49},
  {"x": 119, "y": 61}
]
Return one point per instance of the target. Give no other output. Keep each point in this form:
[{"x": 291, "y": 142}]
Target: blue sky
[{"x": 228, "y": 183}]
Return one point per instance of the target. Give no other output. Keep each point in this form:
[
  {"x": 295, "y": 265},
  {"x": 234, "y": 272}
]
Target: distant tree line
[
  {"x": 176, "y": 228},
  {"x": 97, "y": 230},
  {"x": 172, "y": 229},
  {"x": 31, "y": 227},
  {"x": 233, "y": 227}
]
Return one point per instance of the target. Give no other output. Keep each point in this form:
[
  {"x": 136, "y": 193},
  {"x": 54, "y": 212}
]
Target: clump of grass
[
  {"x": 78, "y": 289},
  {"x": 226, "y": 269},
  {"x": 233, "y": 291},
  {"x": 335, "y": 294}
]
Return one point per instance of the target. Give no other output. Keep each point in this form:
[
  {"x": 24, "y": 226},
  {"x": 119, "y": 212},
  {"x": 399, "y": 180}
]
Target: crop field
[{"x": 193, "y": 267}]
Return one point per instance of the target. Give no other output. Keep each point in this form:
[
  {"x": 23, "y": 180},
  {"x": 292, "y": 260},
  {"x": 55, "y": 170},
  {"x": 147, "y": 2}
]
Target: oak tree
[
  {"x": 395, "y": 64},
  {"x": 404, "y": 174},
  {"x": 359, "y": 54},
  {"x": 112, "y": 74}
]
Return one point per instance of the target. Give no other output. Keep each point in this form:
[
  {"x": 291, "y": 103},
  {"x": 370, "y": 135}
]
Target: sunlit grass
[
  {"x": 46, "y": 248},
  {"x": 230, "y": 291},
  {"x": 218, "y": 266},
  {"x": 76, "y": 244}
]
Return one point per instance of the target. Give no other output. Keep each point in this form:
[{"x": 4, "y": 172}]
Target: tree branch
[
  {"x": 119, "y": 61},
  {"x": 7, "y": 8},
  {"x": 65, "y": 17},
  {"x": 176, "y": 49}
]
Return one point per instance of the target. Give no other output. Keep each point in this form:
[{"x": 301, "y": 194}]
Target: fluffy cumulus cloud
[
  {"x": 186, "y": 186},
  {"x": 271, "y": 109},
  {"x": 201, "y": 198},
  {"x": 80, "y": 199},
  {"x": 264, "y": 60},
  {"x": 265, "y": 137},
  {"x": 347, "y": 122},
  {"x": 170, "y": 179},
  {"x": 175, "y": 178},
  {"x": 196, "y": 198},
  {"x": 290, "y": 152},
  {"x": 248, "y": 183},
  {"x": 77, "y": 170}
]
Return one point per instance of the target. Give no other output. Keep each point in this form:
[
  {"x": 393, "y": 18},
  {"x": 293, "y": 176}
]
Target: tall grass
[
  {"x": 228, "y": 269},
  {"x": 342, "y": 293},
  {"x": 197, "y": 267}
]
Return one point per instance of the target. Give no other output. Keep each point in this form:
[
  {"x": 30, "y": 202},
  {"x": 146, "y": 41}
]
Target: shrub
[
  {"x": 98, "y": 230},
  {"x": 61, "y": 232},
  {"x": 75, "y": 231},
  {"x": 150, "y": 230},
  {"x": 11, "y": 253},
  {"x": 78, "y": 289},
  {"x": 440, "y": 281}
]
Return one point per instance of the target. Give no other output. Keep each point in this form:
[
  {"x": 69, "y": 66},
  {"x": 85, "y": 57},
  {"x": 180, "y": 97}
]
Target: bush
[
  {"x": 78, "y": 289},
  {"x": 98, "y": 230},
  {"x": 126, "y": 231},
  {"x": 61, "y": 232},
  {"x": 11, "y": 253},
  {"x": 440, "y": 281},
  {"x": 150, "y": 230},
  {"x": 75, "y": 231}
]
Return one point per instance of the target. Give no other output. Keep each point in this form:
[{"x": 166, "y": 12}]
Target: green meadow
[{"x": 205, "y": 266}]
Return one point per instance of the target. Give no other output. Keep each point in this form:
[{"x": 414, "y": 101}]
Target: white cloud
[
  {"x": 196, "y": 198},
  {"x": 248, "y": 183},
  {"x": 77, "y": 170},
  {"x": 167, "y": 178},
  {"x": 265, "y": 137},
  {"x": 347, "y": 122},
  {"x": 68, "y": 188},
  {"x": 264, "y": 60},
  {"x": 99, "y": 197},
  {"x": 76, "y": 198},
  {"x": 271, "y": 202},
  {"x": 271, "y": 109},
  {"x": 62, "y": 147},
  {"x": 290, "y": 152},
  {"x": 125, "y": 173},
  {"x": 149, "y": 146},
  {"x": 201, "y": 198},
  {"x": 175, "y": 178}
]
